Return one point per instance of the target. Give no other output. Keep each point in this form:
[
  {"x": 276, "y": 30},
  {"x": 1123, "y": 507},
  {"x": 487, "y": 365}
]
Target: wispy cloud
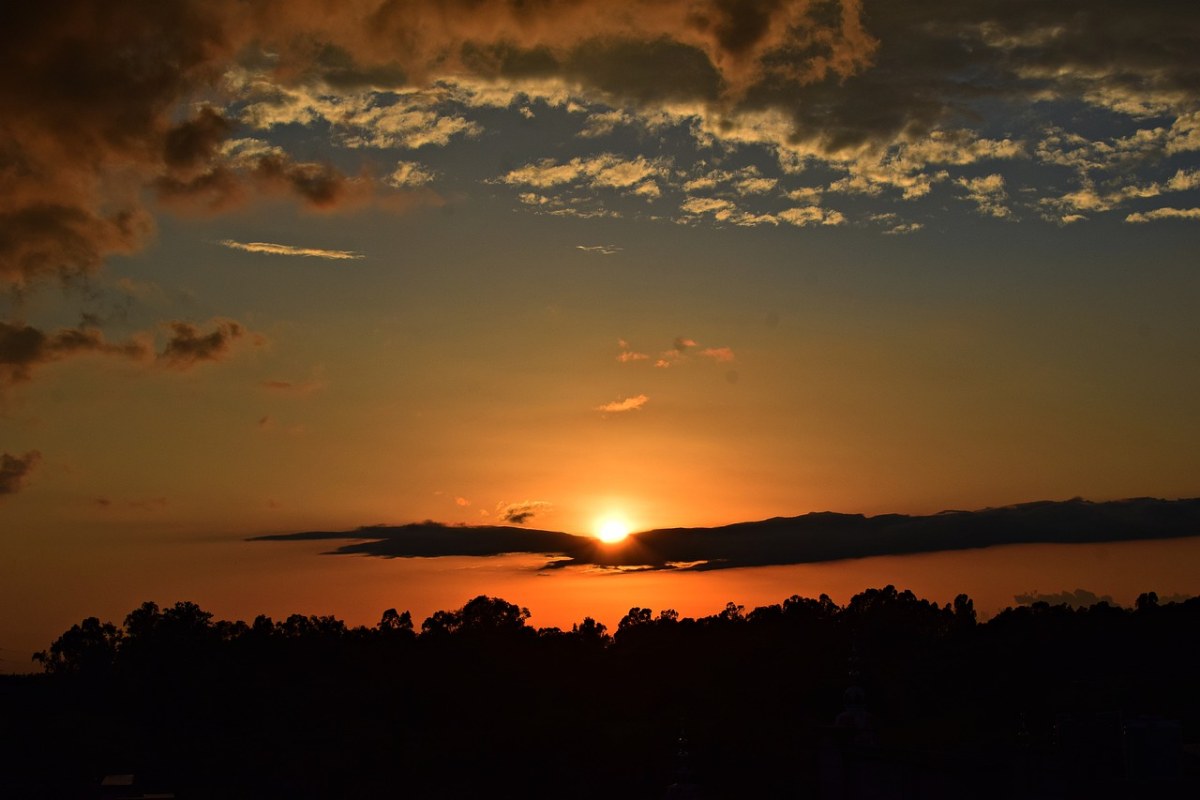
[
  {"x": 288, "y": 250},
  {"x": 628, "y": 404},
  {"x": 1164, "y": 213},
  {"x": 599, "y": 249}
]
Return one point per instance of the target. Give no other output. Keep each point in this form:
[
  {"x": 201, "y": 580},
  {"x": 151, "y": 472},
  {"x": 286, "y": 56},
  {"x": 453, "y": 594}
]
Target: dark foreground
[{"x": 890, "y": 696}]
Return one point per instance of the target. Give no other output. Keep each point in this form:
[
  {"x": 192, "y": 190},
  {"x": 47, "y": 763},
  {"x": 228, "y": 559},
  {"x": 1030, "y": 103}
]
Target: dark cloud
[
  {"x": 227, "y": 184},
  {"x": 937, "y": 59},
  {"x": 522, "y": 512},
  {"x": 194, "y": 142},
  {"x": 810, "y": 538},
  {"x": 23, "y": 348},
  {"x": 99, "y": 102},
  {"x": 91, "y": 102},
  {"x": 14, "y": 470},
  {"x": 431, "y": 540},
  {"x": 188, "y": 345}
]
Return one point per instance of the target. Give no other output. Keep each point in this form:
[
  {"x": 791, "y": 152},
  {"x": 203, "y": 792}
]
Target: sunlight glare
[{"x": 611, "y": 530}]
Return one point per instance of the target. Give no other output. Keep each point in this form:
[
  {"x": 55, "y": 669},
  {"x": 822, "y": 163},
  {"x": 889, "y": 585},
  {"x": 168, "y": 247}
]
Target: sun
[{"x": 611, "y": 530}]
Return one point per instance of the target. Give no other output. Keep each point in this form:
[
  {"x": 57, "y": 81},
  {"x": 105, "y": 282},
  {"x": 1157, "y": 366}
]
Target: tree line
[{"x": 477, "y": 700}]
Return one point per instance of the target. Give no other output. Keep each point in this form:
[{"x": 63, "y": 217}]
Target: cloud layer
[
  {"x": 810, "y": 538},
  {"x": 100, "y": 109}
]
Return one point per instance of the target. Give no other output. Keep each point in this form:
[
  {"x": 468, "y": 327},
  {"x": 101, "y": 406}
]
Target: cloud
[
  {"x": 1164, "y": 213},
  {"x": 187, "y": 344},
  {"x": 717, "y": 206},
  {"x": 604, "y": 123},
  {"x": 99, "y": 120},
  {"x": 365, "y": 118},
  {"x": 988, "y": 192},
  {"x": 802, "y": 216},
  {"x": 289, "y": 250},
  {"x": 628, "y": 404},
  {"x": 410, "y": 174},
  {"x": 15, "y": 469},
  {"x": 522, "y": 512},
  {"x": 599, "y": 249},
  {"x": 24, "y": 348},
  {"x": 247, "y": 172},
  {"x": 811, "y": 538},
  {"x": 603, "y": 171},
  {"x": 719, "y": 354}
]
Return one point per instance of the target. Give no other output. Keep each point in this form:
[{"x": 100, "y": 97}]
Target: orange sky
[{"x": 274, "y": 267}]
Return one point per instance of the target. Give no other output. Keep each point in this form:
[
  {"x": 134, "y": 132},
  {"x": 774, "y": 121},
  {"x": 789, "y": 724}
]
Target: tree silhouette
[{"x": 89, "y": 648}]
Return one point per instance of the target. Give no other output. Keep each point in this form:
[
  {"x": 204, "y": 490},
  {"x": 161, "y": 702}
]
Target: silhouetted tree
[
  {"x": 393, "y": 624},
  {"x": 89, "y": 648}
]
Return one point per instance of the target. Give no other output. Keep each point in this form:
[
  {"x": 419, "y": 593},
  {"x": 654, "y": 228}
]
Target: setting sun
[{"x": 611, "y": 530}]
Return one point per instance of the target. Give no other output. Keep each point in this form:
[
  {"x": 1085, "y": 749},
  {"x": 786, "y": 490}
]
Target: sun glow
[{"x": 611, "y": 530}]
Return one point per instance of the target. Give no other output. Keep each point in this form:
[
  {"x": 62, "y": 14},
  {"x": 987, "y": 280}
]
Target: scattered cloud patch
[
  {"x": 599, "y": 249},
  {"x": 605, "y": 170},
  {"x": 409, "y": 175},
  {"x": 627, "y": 404},
  {"x": 803, "y": 216},
  {"x": 988, "y": 193},
  {"x": 719, "y": 354}
]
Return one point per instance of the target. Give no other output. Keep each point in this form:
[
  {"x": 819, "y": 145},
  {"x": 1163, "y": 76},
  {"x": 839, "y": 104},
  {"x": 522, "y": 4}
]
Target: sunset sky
[{"x": 276, "y": 266}]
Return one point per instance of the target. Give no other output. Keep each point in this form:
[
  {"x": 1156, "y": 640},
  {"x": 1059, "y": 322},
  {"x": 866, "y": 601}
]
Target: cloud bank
[
  {"x": 100, "y": 109},
  {"x": 811, "y": 538}
]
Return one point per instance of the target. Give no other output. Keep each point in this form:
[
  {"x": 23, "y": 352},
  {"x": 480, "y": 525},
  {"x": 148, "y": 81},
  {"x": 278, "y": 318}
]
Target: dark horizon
[{"x": 888, "y": 697}]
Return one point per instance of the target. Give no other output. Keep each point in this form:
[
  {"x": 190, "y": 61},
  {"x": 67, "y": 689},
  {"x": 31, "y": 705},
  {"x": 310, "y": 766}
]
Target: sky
[{"x": 273, "y": 266}]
